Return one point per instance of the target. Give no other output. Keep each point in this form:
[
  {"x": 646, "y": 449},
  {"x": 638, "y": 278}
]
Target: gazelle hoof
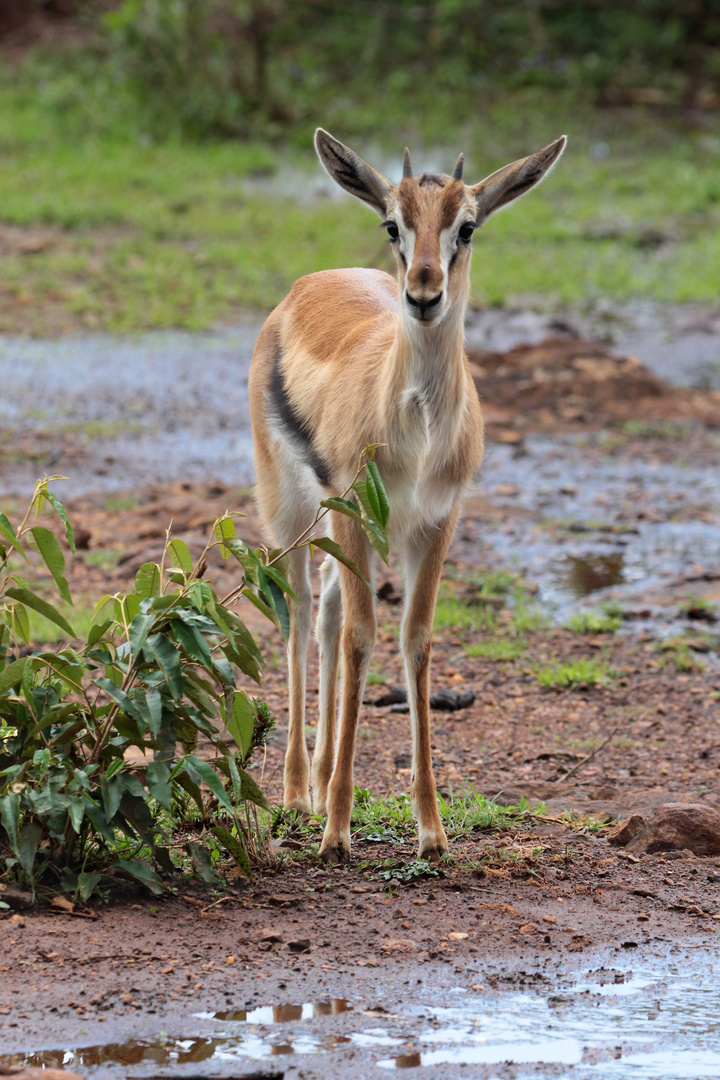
[
  {"x": 296, "y": 801},
  {"x": 433, "y": 853},
  {"x": 335, "y": 855}
]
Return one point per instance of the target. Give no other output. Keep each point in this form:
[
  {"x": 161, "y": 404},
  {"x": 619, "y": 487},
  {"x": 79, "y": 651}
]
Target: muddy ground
[{"x": 601, "y": 483}]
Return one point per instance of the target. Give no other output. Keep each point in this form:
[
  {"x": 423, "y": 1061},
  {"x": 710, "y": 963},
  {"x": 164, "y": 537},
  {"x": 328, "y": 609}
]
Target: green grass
[
  {"x": 574, "y": 673},
  {"x": 654, "y": 429},
  {"x": 679, "y": 651},
  {"x": 497, "y": 648},
  {"x": 391, "y": 819},
  {"x": 103, "y": 558},
  {"x": 45, "y": 632},
  {"x": 606, "y": 619},
  {"x": 135, "y": 234}
]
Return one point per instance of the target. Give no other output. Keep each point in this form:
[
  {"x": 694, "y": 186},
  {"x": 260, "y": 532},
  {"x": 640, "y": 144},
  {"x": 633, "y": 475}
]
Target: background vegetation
[{"x": 158, "y": 171}]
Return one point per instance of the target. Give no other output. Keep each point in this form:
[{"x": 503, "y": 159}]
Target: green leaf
[
  {"x": 139, "y": 629},
  {"x": 280, "y": 580},
  {"x": 342, "y": 506},
  {"x": 42, "y": 607},
  {"x": 202, "y": 864},
  {"x": 192, "y": 642},
  {"x": 30, "y": 836},
  {"x": 276, "y": 600},
  {"x": 9, "y": 533},
  {"x": 360, "y": 489},
  {"x": 97, "y": 630},
  {"x": 104, "y": 601},
  {"x": 251, "y": 792},
  {"x": 127, "y": 608},
  {"x": 233, "y": 846},
  {"x": 62, "y": 513},
  {"x": 334, "y": 549},
  {"x": 167, "y": 656},
  {"x": 377, "y": 538},
  {"x": 48, "y": 545},
  {"x": 262, "y": 606},
  {"x": 112, "y": 792},
  {"x": 211, "y": 780},
  {"x": 12, "y": 674},
  {"x": 143, "y": 873},
  {"x": 180, "y": 556},
  {"x": 20, "y": 622},
  {"x": 150, "y": 706},
  {"x": 147, "y": 580},
  {"x": 119, "y": 696},
  {"x": 240, "y": 656},
  {"x": 76, "y": 810},
  {"x": 377, "y": 496},
  {"x": 224, "y": 531},
  {"x": 223, "y": 615},
  {"x": 10, "y": 817},
  {"x": 86, "y": 885},
  {"x": 241, "y": 723},
  {"x": 189, "y": 785},
  {"x": 157, "y": 776}
]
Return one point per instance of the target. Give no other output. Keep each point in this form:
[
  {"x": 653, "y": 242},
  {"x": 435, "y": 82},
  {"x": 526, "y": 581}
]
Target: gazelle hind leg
[
  {"x": 297, "y": 763},
  {"x": 327, "y": 631},
  {"x": 424, "y": 561},
  {"x": 358, "y": 640}
]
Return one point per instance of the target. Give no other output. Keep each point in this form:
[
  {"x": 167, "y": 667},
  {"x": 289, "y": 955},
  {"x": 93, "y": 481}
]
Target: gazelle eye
[
  {"x": 392, "y": 230},
  {"x": 466, "y": 231}
]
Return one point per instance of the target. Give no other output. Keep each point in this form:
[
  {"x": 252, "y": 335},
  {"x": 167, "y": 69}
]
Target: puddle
[
  {"x": 581, "y": 575},
  {"x": 658, "y": 1022},
  {"x": 623, "y": 529}
]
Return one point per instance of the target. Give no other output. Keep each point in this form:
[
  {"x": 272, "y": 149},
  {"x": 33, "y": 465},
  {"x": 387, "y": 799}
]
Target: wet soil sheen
[{"x": 540, "y": 950}]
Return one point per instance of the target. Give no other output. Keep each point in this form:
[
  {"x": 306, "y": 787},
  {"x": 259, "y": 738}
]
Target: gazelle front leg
[
  {"x": 328, "y": 630},
  {"x": 424, "y": 559},
  {"x": 297, "y": 763},
  {"x": 358, "y": 641}
]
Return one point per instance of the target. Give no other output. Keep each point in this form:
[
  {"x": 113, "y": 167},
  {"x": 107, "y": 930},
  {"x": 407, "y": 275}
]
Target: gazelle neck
[{"x": 429, "y": 358}]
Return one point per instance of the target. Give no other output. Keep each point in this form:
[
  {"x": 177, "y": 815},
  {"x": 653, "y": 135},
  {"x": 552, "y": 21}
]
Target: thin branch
[{"x": 585, "y": 760}]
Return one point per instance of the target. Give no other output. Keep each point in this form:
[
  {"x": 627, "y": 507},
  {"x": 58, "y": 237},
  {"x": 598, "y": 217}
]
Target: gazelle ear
[
  {"x": 508, "y": 183},
  {"x": 352, "y": 173}
]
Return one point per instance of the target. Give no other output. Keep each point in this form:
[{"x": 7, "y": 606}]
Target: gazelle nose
[{"x": 423, "y": 304}]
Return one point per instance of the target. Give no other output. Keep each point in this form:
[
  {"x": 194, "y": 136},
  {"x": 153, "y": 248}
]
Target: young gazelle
[{"x": 352, "y": 357}]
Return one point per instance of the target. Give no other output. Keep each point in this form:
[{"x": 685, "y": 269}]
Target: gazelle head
[{"x": 431, "y": 218}]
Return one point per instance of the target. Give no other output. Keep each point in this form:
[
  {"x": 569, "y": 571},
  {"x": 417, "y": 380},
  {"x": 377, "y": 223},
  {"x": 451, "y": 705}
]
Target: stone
[
  {"x": 626, "y": 830},
  {"x": 678, "y": 827}
]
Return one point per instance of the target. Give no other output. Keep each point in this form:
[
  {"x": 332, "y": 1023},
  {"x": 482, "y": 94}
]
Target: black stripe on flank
[{"x": 294, "y": 425}]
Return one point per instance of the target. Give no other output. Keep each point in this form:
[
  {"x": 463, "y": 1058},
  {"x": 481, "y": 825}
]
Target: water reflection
[
  {"x": 582, "y": 575},
  {"x": 279, "y": 1014}
]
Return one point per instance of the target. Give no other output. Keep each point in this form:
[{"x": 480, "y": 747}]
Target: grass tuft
[{"x": 574, "y": 673}]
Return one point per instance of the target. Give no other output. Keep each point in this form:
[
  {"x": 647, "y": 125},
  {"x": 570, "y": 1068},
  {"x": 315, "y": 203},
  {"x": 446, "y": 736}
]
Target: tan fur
[{"x": 352, "y": 357}]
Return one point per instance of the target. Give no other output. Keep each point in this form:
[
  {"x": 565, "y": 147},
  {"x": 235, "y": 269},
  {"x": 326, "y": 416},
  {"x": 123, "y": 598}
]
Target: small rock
[
  {"x": 392, "y": 695},
  {"x": 302, "y": 945},
  {"x": 678, "y": 827},
  {"x": 447, "y": 700},
  {"x": 622, "y": 833}
]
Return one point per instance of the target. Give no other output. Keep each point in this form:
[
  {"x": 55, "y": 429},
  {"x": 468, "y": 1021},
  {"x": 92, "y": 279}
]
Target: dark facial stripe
[{"x": 294, "y": 425}]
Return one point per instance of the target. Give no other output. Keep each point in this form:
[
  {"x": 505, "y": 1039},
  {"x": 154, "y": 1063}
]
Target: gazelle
[{"x": 352, "y": 357}]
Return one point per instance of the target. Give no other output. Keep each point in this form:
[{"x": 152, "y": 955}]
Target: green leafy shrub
[{"x": 157, "y": 670}]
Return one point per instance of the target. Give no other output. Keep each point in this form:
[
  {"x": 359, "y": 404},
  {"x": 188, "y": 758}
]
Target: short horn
[
  {"x": 457, "y": 171},
  {"x": 407, "y": 166}
]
